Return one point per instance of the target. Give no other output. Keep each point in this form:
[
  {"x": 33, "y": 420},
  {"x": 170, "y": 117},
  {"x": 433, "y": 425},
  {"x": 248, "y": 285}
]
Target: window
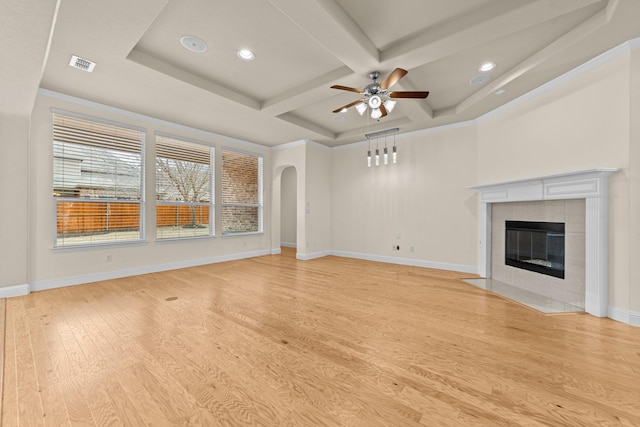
[
  {"x": 183, "y": 188},
  {"x": 241, "y": 192},
  {"x": 97, "y": 181}
]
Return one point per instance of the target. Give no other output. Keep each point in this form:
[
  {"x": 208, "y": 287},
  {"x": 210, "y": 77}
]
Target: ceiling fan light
[
  {"x": 376, "y": 113},
  {"x": 375, "y": 101},
  {"x": 389, "y": 104},
  {"x": 362, "y": 107}
]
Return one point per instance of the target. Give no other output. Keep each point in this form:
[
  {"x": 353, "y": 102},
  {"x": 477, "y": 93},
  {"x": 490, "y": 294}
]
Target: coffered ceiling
[{"x": 302, "y": 47}]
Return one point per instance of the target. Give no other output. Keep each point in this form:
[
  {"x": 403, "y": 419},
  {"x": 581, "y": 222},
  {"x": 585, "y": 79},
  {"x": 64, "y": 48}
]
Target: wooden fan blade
[
  {"x": 408, "y": 95},
  {"x": 339, "y": 110},
  {"x": 383, "y": 110},
  {"x": 393, "y": 78},
  {"x": 350, "y": 89}
]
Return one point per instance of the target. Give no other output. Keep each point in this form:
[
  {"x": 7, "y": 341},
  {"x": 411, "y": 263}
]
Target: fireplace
[
  {"x": 591, "y": 186},
  {"x": 535, "y": 246}
]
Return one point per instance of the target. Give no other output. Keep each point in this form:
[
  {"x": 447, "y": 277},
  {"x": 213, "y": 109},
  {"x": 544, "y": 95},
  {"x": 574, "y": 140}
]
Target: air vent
[{"x": 82, "y": 64}]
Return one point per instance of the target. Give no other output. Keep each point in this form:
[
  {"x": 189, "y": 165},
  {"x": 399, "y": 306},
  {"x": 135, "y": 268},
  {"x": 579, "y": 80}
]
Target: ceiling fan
[{"x": 377, "y": 95}]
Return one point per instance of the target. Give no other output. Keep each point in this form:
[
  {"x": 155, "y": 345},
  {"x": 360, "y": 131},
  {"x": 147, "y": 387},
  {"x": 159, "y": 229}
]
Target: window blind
[
  {"x": 183, "y": 188},
  {"x": 241, "y": 192},
  {"x": 97, "y": 181}
]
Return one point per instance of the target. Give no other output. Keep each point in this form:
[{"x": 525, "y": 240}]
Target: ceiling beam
[
  {"x": 307, "y": 93},
  {"x": 305, "y": 124},
  {"x": 185, "y": 76},
  {"x": 327, "y": 23},
  {"x": 477, "y": 27},
  {"x": 559, "y": 45}
]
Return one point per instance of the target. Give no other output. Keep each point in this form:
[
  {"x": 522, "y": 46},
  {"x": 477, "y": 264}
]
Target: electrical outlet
[
  {"x": 412, "y": 249},
  {"x": 108, "y": 258}
]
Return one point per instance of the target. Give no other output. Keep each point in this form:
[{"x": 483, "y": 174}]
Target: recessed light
[
  {"x": 193, "y": 43},
  {"x": 246, "y": 55},
  {"x": 487, "y": 66},
  {"x": 500, "y": 91},
  {"x": 481, "y": 79}
]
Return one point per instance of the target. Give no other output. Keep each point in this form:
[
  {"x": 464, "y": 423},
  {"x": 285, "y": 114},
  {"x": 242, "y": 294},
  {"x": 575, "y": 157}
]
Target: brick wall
[{"x": 240, "y": 184}]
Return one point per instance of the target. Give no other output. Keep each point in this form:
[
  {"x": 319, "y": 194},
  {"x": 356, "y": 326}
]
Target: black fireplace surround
[{"x": 535, "y": 246}]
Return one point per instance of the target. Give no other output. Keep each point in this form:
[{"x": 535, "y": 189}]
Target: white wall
[
  {"x": 424, "y": 199},
  {"x": 288, "y": 207},
  {"x": 51, "y": 267},
  {"x": 317, "y": 200},
  {"x": 14, "y": 193}
]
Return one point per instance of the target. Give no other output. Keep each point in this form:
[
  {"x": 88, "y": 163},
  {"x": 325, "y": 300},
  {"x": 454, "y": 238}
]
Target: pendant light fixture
[{"x": 385, "y": 150}]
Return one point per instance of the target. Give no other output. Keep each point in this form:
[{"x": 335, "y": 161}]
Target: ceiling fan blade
[
  {"x": 350, "y": 89},
  {"x": 403, "y": 94},
  {"x": 339, "y": 110},
  {"x": 393, "y": 78},
  {"x": 383, "y": 110}
]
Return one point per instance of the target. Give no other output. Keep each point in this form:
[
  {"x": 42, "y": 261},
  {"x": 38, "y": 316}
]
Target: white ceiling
[{"x": 302, "y": 47}]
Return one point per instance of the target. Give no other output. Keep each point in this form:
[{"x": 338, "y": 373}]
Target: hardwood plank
[
  {"x": 3, "y": 303},
  {"x": 333, "y": 341}
]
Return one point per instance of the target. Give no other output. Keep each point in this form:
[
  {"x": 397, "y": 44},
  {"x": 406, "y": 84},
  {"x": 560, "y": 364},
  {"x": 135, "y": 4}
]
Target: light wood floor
[{"x": 330, "y": 342}]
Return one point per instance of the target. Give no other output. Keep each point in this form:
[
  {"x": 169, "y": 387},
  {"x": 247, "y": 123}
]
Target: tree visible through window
[
  {"x": 183, "y": 188},
  {"x": 97, "y": 181},
  {"x": 241, "y": 192}
]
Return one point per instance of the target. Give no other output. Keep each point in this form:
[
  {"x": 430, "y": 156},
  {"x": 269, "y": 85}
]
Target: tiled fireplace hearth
[{"x": 579, "y": 199}]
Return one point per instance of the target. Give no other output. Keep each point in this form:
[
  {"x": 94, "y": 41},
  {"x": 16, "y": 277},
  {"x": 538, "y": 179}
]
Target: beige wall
[{"x": 424, "y": 199}]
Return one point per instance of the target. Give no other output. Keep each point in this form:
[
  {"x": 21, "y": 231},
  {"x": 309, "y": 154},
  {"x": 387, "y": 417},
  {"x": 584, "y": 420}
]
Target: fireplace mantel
[{"x": 591, "y": 185}]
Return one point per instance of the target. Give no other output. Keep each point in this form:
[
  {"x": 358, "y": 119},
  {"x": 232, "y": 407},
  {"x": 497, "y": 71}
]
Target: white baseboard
[
  {"x": 471, "y": 269},
  {"x": 313, "y": 255},
  {"x": 276, "y": 251},
  {"x": 96, "y": 277},
  {"x": 289, "y": 245},
  {"x": 14, "y": 291},
  {"x": 625, "y": 316}
]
